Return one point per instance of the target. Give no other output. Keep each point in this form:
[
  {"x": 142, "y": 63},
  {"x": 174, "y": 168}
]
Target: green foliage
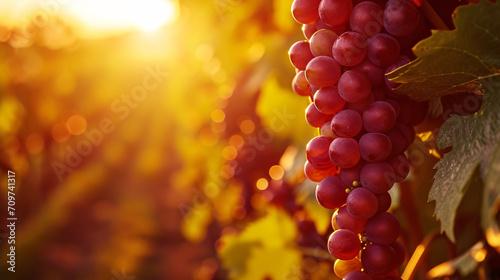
[
  {"x": 457, "y": 60},
  {"x": 465, "y": 59}
]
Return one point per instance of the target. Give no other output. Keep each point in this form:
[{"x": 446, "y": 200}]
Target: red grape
[
  {"x": 384, "y": 201},
  {"x": 331, "y": 192},
  {"x": 344, "y": 244},
  {"x": 354, "y": 86},
  {"x": 378, "y": 259},
  {"x": 335, "y": 12},
  {"x": 382, "y": 49},
  {"x": 379, "y": 116},
  {"x": 344, "y": 152},
  {"x": 347, "y": 221},
  {"x": 400, "y": 17},
  {"x": 361, "y": 203},
  {"x": 367, "y": 18},
  {"x": 316, "y": 174},
  {"x": 321, "y": 42},
  {"x": 375, "y": 147},
  {"x": 383, "y": 228},
  {"x": 322, "y": 71},
  {"x": 317, "y": 151},
  {"x": 347, "y": 123},
  {"x": 305, "y": 11},
  {"x": 328, "y": 100},
  {"x": 300, "y": 54},
  {"x": 300, "y": 85},
  {"x": 401, "y": 166},
  {"x": 314, "y": 117},
  {"x": 377, "y": 177},
  {"x": 309, "y": 29},
  {"x": 349, "y": 49}
]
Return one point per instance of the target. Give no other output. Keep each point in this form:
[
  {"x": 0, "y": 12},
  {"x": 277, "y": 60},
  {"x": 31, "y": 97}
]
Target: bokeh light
[
  {"x": 247, "y": 126},
  {"x": 276, "y": 172},
  {"x": 229, "y": 152},
  {"x": 76, "y": 124},
  {"x": 262, "y": 184},
  {"x": 236, "y": 141},
  {"x": 218, "y": 115}
]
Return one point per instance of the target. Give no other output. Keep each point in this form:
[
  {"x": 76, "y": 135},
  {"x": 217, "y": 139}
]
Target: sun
[
  {"x": 154, "y": 15},
  {"x": 145, "y": 15},
  {"x": 94, "y": 18}
]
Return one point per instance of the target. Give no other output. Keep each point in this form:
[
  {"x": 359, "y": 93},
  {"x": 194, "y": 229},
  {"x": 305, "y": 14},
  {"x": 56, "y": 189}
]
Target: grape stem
[
  {"x": 432, "y": 16},
  {"x": 418, "y": 255},
  {"x": 317, "y": 253}
]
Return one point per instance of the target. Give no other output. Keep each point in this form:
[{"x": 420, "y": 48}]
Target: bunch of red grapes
[{"x": 365, "y": 125}]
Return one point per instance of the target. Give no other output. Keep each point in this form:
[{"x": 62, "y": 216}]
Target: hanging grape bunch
[{"x": 365, "y": 125}]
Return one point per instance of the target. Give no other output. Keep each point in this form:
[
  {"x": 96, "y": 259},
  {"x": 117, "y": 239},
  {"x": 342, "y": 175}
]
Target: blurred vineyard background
[
  {"x": 161, "y": 140},
  {"x": 150, "y": 197}
]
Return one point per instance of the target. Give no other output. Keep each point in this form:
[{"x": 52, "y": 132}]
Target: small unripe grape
[{"x": 344, "y": 267}]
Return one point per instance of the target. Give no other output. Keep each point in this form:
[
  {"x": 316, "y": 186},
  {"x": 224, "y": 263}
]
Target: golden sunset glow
[
  {"x": 143, "y": 15},
  {"x": 248, "y": 140},
  {"x": 92, "y": 17}
]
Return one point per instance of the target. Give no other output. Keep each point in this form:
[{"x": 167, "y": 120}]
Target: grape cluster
[{"x": 365, "y": 125}]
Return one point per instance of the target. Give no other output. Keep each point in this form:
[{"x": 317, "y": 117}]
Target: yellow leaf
[
  {"x": 195, "y": 223},
  {"x": 275, "y": 263},
  {"x": 275, "y": 230},
  {"x": 249, "y": 254},
  {"x": 320, "y": 215},
  {"x": 282, "y": 111},
  {"x": 226, "y": 202}
]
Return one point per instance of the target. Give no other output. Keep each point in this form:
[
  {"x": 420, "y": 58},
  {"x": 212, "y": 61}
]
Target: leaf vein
[
  {"x": 487, "y": 32},
  {"x": 465, "y": 52}
]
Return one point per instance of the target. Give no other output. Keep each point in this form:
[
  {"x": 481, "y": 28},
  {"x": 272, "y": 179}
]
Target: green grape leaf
[
  {"x": 272, "y": 237},
  {"x": 457, "y": 60},
  {"x": 474, "y": 138}
]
